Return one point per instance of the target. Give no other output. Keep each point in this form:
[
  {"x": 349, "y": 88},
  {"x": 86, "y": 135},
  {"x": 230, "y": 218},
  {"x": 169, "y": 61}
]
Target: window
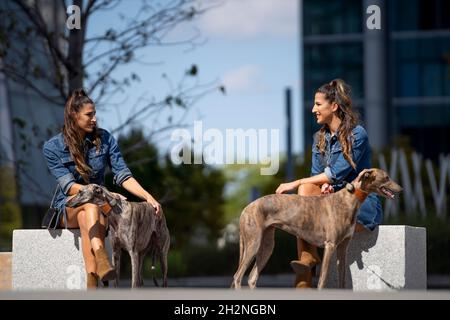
[{"x": 332, "y": 17}]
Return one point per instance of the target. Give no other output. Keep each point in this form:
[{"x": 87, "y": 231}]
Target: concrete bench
[
  {"x": 388, "y": 258},
  {"x": 43, "y": 259}
]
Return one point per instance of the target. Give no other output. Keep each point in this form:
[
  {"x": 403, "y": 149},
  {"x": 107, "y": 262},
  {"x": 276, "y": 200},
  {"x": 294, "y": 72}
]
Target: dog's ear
[
  {"x": 98, "y": 190},
  {"x": 365, "y": 174},
  {"x": 115, "y": 203}
]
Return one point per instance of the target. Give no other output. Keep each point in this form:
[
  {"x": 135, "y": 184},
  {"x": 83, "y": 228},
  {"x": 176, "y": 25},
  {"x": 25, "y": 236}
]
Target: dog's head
[
  {"x": 378, "y": 181},
  {"x": 95, "y": 194}
]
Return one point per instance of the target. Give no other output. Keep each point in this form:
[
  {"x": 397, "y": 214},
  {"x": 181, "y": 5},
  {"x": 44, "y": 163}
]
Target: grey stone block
[
  {"x": 44, "y": 259},
  {"x": 388, "y": 258}
]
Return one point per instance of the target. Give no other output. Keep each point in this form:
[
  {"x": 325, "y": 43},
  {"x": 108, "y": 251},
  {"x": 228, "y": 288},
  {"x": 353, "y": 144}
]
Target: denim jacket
[
  {"x": 62, "y": 166},
  {"x": 339, "y": 170}
]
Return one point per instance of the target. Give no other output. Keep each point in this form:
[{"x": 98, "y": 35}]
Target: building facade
[
  {"x": 399, "y": 74},
  {"x": 27, "y": 119}
]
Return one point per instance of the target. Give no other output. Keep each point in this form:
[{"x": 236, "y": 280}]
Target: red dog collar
[{"x": 361, "y": 195}]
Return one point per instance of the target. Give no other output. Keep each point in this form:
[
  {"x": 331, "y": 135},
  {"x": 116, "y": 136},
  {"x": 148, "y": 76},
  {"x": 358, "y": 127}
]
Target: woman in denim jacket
[
  {"x": 78, "y": 156},
  {"x": 340, "y": 152}
]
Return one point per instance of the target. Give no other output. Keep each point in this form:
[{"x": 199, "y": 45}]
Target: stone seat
[
  {"x": 392, "y": 257},
  {"x": 43, "y": 259}
]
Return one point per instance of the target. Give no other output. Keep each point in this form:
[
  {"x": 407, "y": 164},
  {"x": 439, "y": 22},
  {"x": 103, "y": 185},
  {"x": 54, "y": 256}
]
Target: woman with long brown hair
[
  {"x": 78, "y": 156},
  {"x": 340, "y": 152}
]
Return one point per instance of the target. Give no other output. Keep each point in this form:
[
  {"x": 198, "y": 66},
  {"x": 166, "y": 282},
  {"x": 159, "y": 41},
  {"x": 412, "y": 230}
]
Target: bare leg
[{"x": 92, "y": 228}]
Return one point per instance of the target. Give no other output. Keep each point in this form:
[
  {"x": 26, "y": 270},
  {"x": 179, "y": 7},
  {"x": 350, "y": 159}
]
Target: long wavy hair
[
  {"x": 72, "y": 134},
  {"x": 339, "y": 92}
]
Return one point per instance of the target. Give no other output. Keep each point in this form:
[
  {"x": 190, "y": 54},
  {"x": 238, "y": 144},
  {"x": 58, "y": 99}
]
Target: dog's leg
[
  {"x": 234, "y": 284},
  {"x": 341, "y": 253},
  {"x": 117, "y": 253},
  {"x": 263, "y": 255},
  {"x": 134, "y": 269},
  {"x": 329, "y": 249},
  {"x": 251, "y": 239},
  {"x": 141, "y": 256},
  {"x": 163, "y": 260}
]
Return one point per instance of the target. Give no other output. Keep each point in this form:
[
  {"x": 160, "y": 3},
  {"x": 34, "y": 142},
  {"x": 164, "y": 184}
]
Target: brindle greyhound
[
  {"x": 134, "y": 227},
  {"x": 323, "y": 220}
]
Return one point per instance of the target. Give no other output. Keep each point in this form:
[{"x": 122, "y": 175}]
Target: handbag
[{"x": 52, "y": 217}]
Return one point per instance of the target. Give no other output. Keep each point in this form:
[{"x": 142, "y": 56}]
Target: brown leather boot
[
  {"x": 303, "y": 280},
  {"x": 91, "y": 281},
  {"x": 308, "y": 259},
  {"x": 105, "y": 271}
]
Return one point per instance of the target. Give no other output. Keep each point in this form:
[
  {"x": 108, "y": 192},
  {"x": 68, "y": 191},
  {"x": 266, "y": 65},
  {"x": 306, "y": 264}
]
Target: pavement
[
  {"x": 270, "y": 287},
  {"x": 204, "y": 294}
]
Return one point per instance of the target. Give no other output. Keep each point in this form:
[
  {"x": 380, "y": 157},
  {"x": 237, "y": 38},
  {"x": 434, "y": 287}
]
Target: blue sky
[{"x": 251, "y": 47}]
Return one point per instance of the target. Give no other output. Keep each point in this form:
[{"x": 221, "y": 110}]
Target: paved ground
[
  {"x": 271, "y": 287},
  {"x": 225, "y": 294}
]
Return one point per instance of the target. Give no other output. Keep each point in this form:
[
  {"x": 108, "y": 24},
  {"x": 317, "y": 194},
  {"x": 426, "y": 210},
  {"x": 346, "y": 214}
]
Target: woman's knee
[
  {"x": 81, "y": 218},
  {"x": 308, "y": 189},
  {"x": 93, "y": 212},
  {"x": 91, "y": 208}
]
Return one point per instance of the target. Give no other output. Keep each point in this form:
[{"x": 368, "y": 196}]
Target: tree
[
  {"x": 51, "y": 59},
  {"x": 38, "y": 52}
]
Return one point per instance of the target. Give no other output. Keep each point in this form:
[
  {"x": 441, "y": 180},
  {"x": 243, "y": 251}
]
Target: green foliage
[{"x": 242, "y": 178}]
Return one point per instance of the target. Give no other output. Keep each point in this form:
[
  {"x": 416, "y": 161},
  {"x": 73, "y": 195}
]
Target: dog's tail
[
  {"x": 241, "y": 242},
  {"x": 241, "y": 249}
]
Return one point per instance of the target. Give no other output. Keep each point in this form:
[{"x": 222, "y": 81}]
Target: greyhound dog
[
  {"x": 134, "y": 227},
  {"x": 323, "y": 220}
]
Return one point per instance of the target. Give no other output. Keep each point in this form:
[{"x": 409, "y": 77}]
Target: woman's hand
[
  {"x": 155, "y": 204},
  {"x": 135, "y": 188},
  {"x": 285, "y": 187},
  {"x": 327, "y": 188}
]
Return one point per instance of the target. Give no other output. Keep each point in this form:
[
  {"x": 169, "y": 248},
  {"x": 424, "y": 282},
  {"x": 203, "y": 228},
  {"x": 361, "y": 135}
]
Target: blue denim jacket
[
  {"x": 339, "y": 170},
  {"x": 62, "y": 166}
]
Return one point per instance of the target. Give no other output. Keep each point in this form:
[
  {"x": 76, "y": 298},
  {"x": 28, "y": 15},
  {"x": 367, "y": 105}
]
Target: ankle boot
[
  {"x": 91, "y": 281},
  {"x": 303, "y": 280},
  {"x": 308, "y": 257},
  {"x": 105, "y": 271}
]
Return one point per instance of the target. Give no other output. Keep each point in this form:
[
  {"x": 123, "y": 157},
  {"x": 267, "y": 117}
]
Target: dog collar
[
  {"x": 361, "y": 194},
  {"x": 106, "y": 208}
]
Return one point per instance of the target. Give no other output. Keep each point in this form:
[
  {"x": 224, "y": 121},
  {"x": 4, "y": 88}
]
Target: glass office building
[{"x": 400, "y": 75}]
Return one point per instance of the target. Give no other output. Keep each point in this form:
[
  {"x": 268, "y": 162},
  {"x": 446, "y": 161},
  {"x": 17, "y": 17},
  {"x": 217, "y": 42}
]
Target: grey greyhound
[
  {"x": 135, "y": 227},
  {"x": 323, "y": 220}
]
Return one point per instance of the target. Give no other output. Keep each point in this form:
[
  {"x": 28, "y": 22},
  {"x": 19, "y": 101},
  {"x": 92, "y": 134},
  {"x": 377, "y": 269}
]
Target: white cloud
[
  {"x": 244, "y": 79},
  {"x": 245, "y": 19}
]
